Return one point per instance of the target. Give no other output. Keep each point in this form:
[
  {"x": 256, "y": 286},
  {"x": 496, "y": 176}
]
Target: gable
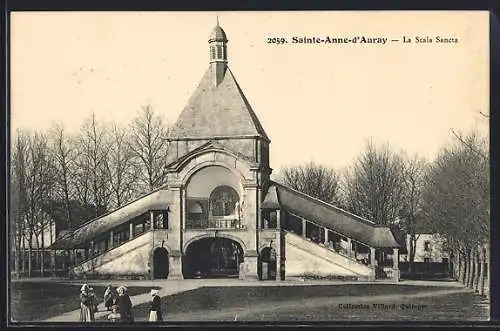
[{"x": 218, "y": 111}]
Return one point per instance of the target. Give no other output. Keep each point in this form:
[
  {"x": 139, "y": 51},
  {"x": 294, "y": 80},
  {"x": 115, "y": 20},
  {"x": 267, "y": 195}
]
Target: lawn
[
  {"x": 36, "y": 301},
  {"x": 315, "y": 303}
]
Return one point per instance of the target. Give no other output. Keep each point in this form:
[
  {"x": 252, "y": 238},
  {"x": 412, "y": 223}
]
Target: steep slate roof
[
  {"x": 156, "y": 200},
  {"x": 329, "y": 216},
  {"x": 217, "y": 111}
]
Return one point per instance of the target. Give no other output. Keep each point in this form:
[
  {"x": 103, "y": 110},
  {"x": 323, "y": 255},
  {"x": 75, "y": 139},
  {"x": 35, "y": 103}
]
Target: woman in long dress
[
  {"x": 124, "y": 304},
  {"x": 109, "y": 297},
  {"x": 86, "y": 305},
  {"x": 155, "y": 313}
]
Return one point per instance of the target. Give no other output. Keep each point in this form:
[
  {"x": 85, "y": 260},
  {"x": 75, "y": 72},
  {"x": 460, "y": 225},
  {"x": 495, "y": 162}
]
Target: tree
[
  {"x": 93, "y": 178},
  {"x": 315, "y": 180},
  {"x": 64, "y": 157},
  {"x": 32, "y": 180},
  {"x": 18, "y": 193},
  {"x": 150, "y": 147},
  {"x": 374, "y": 185},
  {"x": 120, "y": 166},
  {"x": 456, "y": 199},
  {"x": 413, "y": 175}
]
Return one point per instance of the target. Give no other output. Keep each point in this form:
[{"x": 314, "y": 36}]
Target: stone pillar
[
  {"x": 251, "y": 272},
  {"x": 304, "y": 228},
  {"x": 111, "y": 239},
  {"x": 183, "y": 217},
  {"x": 175, "y": 265},
  {"x": 349, "y": 247},
  {"x": 372, "y": 256},
  {"x": 175, "y": 217},
  {"x": 131, "y": 230},
  {"x": 326, "y": 237},
  {"x": 395, "y": 264},
  {"x": 152, "y": 220},
  {"x": 279, "y": 245},
  {"x": 373, "y": 263},
  {"x": 53, "y": 262}
]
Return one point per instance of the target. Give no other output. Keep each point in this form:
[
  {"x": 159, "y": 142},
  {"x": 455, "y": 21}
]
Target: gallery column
[
  {"x": 395, "y": 264},
  {"x": 111, "y": 239},
  {"x": 373, "y": 263},
  {"x": 349, "y": 247},
  {"x": 131, "y": 231},
  {"x": 174, "y": 240},
  {"x": 280, "y": 256}
]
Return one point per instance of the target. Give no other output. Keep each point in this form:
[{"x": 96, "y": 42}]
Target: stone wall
[{"x": 305, "y": 257}]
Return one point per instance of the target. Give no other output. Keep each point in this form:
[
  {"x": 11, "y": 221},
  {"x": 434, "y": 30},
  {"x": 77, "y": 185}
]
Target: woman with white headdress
[
  {"x": 124, "y": 304},
  {"x": 155, "y": 311},
  {"x": 86, "y": 303}
]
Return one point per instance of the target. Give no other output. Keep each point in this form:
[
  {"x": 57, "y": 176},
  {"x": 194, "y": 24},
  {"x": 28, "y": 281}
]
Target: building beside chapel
[{"x": 220, "y": 214}]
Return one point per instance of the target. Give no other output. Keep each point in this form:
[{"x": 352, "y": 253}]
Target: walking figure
[{"x": 155, "y": 313}]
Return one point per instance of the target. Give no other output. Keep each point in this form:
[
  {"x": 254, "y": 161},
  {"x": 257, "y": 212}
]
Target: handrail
[
  {"x": 329, "y": 229},
  {"x": 335, "y": 262},
  {"x": 205, "y": 224},
  {"x": 328, "y": 248},
  {"x": 110, "y": 249}
]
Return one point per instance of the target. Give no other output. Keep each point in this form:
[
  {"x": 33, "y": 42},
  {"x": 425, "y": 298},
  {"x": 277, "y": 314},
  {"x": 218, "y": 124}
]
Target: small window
[
  {"x": 219, "y": 52},
  {"x": 427, "y": 246},
  {"x": 212, "y": 52},
  {"x": 427, "y": 259}
]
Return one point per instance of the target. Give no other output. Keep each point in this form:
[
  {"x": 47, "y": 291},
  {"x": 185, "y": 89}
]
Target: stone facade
[{"x": 210, "y": 218}]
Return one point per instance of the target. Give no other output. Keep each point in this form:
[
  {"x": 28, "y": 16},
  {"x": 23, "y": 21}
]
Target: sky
[{"x": 316, "y": 102}]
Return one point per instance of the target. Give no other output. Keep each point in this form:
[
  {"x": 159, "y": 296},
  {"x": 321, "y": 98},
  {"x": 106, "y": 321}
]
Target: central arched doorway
[
  {"x": 212, "y": 258},
  {"x": 160, "y": 263}
]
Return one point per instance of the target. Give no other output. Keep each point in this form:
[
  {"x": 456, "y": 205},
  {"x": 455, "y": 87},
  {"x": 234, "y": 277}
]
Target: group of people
[{"x": 118, "y": 302}]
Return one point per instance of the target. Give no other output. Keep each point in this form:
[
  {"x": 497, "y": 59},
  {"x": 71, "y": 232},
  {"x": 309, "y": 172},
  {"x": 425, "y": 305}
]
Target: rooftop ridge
[
  {"x": 164, "y": 187},
  {"x": 326, "y": 204}
]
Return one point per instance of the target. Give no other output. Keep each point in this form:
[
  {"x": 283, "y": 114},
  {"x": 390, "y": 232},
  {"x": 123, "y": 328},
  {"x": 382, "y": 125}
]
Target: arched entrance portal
[
  {"x": 267, "y": 264},
  {"x": 212, "y": 258},
  {"x": 160, "y": 263}
]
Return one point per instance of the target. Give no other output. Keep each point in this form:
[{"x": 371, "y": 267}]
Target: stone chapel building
[{"x": 220, "y": 215}]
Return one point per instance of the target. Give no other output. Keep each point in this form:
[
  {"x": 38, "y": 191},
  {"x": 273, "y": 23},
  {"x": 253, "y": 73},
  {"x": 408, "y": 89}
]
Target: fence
[{"x": 425, "y": 270}]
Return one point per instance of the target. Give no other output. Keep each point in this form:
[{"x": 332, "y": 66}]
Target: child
[{"x": 115, "y": 315}]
